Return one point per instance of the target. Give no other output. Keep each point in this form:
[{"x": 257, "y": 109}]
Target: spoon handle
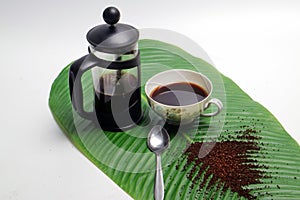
[{"x": 159, "y": 180}]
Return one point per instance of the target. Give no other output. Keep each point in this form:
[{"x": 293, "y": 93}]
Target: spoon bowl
[{"x": 158, "y": 139}]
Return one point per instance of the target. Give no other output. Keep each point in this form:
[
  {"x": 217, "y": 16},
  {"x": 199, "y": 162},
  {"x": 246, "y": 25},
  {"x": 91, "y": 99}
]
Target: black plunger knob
[{"x": 111, "y": 15}]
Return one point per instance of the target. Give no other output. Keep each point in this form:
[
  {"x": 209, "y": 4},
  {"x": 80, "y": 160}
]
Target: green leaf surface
[{"x": 124, "y": 156}]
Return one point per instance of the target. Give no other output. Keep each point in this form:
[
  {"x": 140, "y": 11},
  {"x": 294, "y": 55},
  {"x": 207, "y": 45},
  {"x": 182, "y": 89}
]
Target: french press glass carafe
[{"x": 115, "y": 63}]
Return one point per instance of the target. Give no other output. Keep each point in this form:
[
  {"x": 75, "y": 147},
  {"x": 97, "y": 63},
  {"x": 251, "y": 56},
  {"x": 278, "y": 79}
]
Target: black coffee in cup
[{"x": 179, "y": 94}]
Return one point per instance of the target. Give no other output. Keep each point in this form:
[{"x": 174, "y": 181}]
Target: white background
[{"x": 256, "y": 43}]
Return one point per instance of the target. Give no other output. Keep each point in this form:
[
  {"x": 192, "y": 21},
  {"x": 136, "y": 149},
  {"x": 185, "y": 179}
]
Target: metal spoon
[{"x": 158, "y": 140}]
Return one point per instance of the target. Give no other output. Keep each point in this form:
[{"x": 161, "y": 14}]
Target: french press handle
[
  {"x": 83, "y": 64},
  {"x": 77, "y": 69}
]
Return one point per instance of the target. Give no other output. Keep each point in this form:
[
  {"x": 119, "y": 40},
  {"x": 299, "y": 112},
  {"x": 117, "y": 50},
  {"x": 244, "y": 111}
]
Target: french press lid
[{"x": 113, "y": 37}]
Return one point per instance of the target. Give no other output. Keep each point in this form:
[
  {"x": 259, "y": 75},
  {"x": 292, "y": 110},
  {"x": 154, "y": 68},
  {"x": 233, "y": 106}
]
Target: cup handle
[{"x": 216, "y": 102}]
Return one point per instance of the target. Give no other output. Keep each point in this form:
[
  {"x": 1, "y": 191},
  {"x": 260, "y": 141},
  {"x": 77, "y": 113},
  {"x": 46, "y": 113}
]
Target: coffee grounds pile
[{"x": 228, "y": 162}]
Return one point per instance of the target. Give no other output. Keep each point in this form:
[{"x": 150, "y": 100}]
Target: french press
[{"x": 115, "y": 64}]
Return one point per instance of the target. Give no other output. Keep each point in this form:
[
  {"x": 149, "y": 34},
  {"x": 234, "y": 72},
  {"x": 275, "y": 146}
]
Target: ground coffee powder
[{"x": 228, "y": 162}]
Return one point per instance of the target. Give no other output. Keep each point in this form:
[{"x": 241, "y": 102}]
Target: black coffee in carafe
[{"x": 117, "y": 99}]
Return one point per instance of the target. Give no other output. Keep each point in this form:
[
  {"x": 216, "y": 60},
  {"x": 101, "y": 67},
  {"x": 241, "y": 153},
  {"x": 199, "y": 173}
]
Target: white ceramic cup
[{"x": 182, "y": 114}]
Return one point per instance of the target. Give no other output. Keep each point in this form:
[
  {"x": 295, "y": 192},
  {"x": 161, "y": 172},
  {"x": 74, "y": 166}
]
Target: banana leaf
[{"x": 125, "y": 158}]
